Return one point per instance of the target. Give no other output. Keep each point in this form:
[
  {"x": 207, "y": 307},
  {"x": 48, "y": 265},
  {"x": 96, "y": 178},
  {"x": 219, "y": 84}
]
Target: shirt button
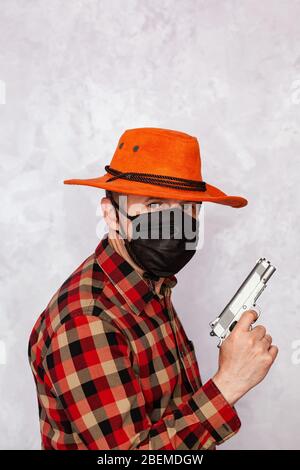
[{"x": 181, "y": 352}]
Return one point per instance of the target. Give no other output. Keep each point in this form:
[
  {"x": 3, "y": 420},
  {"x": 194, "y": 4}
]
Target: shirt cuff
[{"x": 215, "y": 413}]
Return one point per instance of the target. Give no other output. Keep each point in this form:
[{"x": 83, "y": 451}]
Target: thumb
[{"x": 246, "y": 320}]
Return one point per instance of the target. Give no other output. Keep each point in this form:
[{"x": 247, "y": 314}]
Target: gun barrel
[{"x": 271, "y": 270}]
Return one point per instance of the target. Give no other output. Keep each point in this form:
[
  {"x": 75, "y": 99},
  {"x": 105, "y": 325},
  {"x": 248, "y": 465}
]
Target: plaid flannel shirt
[{"x": 114, "y": 368}]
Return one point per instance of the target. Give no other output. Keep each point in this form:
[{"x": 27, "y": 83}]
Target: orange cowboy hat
[{"x": 164, "y": 163}]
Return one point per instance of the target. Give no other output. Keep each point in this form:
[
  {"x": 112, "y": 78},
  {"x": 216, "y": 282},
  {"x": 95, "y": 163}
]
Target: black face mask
[{"x": 162, "y": 242}]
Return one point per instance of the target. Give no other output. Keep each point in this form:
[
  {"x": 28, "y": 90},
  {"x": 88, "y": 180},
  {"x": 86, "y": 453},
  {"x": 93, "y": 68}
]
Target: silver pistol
[{"x": 244, "y": 299}]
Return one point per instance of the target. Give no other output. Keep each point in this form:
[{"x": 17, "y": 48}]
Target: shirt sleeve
[{"x": 89, "y": 365}]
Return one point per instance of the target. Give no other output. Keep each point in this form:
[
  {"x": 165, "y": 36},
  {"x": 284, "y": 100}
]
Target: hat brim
[{"x": 212, "y": 193}]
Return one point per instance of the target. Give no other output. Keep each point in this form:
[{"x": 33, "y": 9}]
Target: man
[{"x": 113, "y": 366}]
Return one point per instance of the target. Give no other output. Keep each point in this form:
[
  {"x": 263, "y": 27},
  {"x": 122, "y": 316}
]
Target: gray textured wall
[{"x": 74, "y": 75}]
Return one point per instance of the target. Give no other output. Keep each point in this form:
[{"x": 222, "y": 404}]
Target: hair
[{"x": 111, "y": 195}]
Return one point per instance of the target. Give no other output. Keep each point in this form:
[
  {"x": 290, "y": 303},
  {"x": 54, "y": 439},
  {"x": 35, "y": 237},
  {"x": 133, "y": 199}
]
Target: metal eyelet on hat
[
  {"x": 135, "y": 148},
  {"x": 121, "y": 145}
]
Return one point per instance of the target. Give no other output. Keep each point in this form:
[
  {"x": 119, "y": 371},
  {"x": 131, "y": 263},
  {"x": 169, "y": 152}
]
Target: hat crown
[{"x": 158, "y": 151}]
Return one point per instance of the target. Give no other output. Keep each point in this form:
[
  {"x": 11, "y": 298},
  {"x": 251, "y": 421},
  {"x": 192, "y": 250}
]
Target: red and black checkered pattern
[{"x": 114, "y": 368}]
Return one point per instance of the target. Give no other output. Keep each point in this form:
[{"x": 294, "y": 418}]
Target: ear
[{"x": 109, "y": 214}]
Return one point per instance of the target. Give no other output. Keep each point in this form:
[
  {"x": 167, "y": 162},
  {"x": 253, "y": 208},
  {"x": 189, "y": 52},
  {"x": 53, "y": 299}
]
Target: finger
[
  {"x": 248, "y": 317},
  {"x": 259, "y": 332},
  {"x": 268, "y": 338},
  {"x": 267, "y": 341},
  {"x": 273, "y": 351}
]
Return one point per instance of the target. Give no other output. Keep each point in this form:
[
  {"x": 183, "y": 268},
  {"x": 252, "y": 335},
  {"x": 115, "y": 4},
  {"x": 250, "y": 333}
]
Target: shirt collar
[{"x": 135, "y": 290}]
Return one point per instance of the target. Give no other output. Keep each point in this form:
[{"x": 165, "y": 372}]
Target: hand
[{"x": 245, "y": 358}]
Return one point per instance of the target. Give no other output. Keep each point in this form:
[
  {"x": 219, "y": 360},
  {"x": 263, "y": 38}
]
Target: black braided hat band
[{"x": 159, "y": 180}]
